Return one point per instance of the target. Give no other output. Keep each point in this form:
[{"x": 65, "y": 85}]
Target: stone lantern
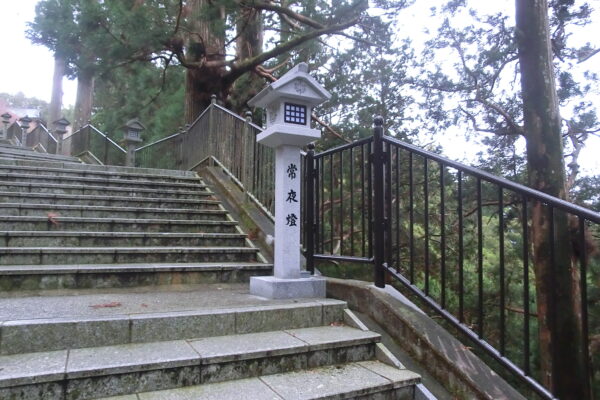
[
  {"x": 289, "y": 103},
  {"x": 60, "y": 128},
  {"x": 25, "y": 121},
  {"x": 132, "y": 137},
  {"x": 5, "y": 121}
]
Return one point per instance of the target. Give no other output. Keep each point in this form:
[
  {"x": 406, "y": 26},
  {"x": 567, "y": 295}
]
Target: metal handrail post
[{"x": 378, "y": 159}]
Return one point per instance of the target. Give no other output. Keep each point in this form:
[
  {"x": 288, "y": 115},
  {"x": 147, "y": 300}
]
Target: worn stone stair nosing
[
  {"x": 35, "y": 218},
  {"x": 104, "y": 199},
  {"x": 6, "y": 207},
  {"x": 44, "y": 171},
  {"x": 201, "y": 190},
  {"x": 50, "y": 269},
  {"x": 4, "y": 176},
  {"x": 108, "y": 168}
]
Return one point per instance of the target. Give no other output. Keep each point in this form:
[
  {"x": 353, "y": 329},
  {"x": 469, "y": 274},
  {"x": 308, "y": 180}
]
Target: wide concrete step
[
  {"x": 58, "y": 210},
  {"x": 108, "y": 201},
  {"x": 105, "y": 172},
  {"x": 30, "y": 154},
  {"x": 197, "y": 192},
  {"x": 360, "y": 380},
  {"x": 92, "y": 318},
  {"x": 103, "y": 181},
  {"x": 59, "y": 223},
  {"x": 154, "y": 172},
  {"x": 105, "y": 255},
  {"x": 118, "y": 239},
  {"x": 18, "y": 278},
  {"x": 124, "y": 369}
]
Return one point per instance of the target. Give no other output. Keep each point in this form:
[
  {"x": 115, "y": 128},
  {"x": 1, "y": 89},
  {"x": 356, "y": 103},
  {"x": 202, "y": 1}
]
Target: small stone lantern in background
[
  {"x": 5, "y": 121},
  {"x": 289, "y": 102},
  {"x": 133, "y": 136},
  {"x": 60, "y": 128},
  {"x": 25, "y": 121}
]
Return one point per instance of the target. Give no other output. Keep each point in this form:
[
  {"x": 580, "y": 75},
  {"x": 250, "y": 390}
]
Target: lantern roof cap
[
  {"x": 295, "y": 84},
  {"x": 135, "y": 125}
]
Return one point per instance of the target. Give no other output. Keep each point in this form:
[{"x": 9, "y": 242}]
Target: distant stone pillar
[{"x": 133, "y": 137}]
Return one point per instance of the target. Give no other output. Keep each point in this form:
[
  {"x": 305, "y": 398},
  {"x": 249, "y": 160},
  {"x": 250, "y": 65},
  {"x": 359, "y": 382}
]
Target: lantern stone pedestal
[{"x": 289, "y": 102}]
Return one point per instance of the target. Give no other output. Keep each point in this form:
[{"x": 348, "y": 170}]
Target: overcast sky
[{"x": 27, "y": 68}]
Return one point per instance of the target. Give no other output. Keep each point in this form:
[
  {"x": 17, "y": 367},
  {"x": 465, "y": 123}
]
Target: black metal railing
[{"x": 456, "y": 237}]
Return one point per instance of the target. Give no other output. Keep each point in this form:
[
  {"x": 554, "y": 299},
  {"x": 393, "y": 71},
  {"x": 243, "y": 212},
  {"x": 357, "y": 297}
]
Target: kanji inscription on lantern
[
  {"x": 291, "y": 171},
  {"x": 291, "y": 220},
  {"x": 291, "y": 197}
]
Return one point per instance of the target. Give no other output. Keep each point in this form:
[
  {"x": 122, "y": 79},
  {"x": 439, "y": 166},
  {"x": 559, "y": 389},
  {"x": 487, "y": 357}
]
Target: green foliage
[{"x": 140, "y": 91}]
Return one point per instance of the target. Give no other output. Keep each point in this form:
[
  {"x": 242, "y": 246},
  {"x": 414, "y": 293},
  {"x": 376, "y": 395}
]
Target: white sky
[{"x": 27, "y": 68}]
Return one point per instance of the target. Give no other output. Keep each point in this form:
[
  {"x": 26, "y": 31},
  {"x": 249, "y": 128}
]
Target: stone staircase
[{"x": 132, "y": 283}]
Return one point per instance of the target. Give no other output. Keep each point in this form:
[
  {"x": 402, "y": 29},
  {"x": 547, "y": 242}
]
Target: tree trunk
[
  {"x": 205, "y": 41},
  {"x": 85, "y": 95},
  {"x": 249, "y": 43},
  {"x": 54, "y": 112},
  {"x": 556, "y": 273}
]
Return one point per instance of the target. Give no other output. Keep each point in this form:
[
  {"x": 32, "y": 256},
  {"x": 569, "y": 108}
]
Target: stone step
[
  {"x": 88, "y": 373},
  {"x": 57, "y": 210},
  {"x": 150, "y": 172},
  {"x": 76, "y": 171},
  {"x": 361, "y": 380},
  {"x": 127, "y": 255},
  {"x": 108, "y": 201},
  {"x": 94, "y": 190},
  {"x": 118, "y": 239},
  {"x": 29, "y": 154},
  {"x": 16, "y": 279},
  {"x": 103, "y": 181},
  {"x": 93, "y": 318},
  {"x": 115, "y": 225}
]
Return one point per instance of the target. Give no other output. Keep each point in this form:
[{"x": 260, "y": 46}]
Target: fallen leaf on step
[
  {"x": 52, "y": 218},
  {"x": 337, "y": 324},
  {"x": 107, "y": 305},
  {"x": 144, "y": 305}
]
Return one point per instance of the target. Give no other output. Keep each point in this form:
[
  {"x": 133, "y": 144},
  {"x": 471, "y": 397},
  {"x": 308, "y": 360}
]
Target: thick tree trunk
[
  {"x": 54, "y": 112},
  {"x": 249, "y": 43},
  {"x": 556, "y": 274},
  {"x": 84, "y": 100},
  {"x": 206, "y": 41}
]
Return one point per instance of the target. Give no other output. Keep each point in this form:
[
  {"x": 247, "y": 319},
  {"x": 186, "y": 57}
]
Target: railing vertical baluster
[
  {"x": 411, "y": 216},
  {"x": 426, "y": 221},
  {"x": 461, "y": 253},
  {"x": 341, "y": 174},
  {"x": 397, "y": 219},
  {"x": 331, "y": 199},
  {"x": 378, "y": 198},
  {"x": 309, "y": 208},
  {"x": 443, "y": 234},
  {"x": 524, "y": 217},
  {"x": 388, "y": 205},
  {"x": 351, "y": 176},
  {"x": 362, "y": 201},
  {"x": 322, "y": 218},
  {"x": 502, "y": 271},
  {"x": 370, "y": 201},
  {"x": 317, "y": 183},
  {"x": 479, "y": 261}
]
